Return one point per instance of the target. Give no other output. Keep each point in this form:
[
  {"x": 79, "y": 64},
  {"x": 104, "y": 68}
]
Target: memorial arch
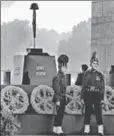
[{"x": 102, "y": 34}]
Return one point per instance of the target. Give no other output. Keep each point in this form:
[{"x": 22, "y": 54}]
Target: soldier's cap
[
  {"x": 94, "y": 58},
  {"x": 84, "y": 67},
  {"x": 112, "y": 66},
  {"x": 63, "y": 59}
]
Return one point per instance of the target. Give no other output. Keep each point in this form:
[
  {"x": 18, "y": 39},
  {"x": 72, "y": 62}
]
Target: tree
[
  {"x": 14, "y": 35},
  {"x": 47, "y": 39},
  {"x": 65, "y": 36},
  {"x": 78, "y": 45}
]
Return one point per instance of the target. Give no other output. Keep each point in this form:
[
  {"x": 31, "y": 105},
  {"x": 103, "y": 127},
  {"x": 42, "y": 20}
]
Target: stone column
[
  {"x": 102, "y": 34},
  {"x": 7, "y": 77}
]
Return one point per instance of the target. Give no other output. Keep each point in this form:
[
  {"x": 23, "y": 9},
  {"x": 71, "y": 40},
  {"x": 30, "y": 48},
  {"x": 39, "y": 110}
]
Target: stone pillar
[
  {"x": 7, "y": 77},
  {"x": 102, "y": 33}
]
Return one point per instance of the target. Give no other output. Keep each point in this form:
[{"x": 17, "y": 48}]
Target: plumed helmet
[
  {"x": 94, "y": 58},
  {"x": 63, "y": 60}
]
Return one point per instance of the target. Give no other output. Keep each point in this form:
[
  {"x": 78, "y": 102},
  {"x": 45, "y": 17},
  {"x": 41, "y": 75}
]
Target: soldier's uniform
[
  {"x": 92, "y": 93},
  {"x": 80, "y": 77},
  {"x": 59, "y": 86}
]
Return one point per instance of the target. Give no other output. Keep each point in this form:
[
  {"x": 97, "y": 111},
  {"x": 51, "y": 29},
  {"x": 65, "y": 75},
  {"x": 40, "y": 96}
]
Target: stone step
[
  {"x": 72, "y": 124},
  {"x": 65, "y": 135}
]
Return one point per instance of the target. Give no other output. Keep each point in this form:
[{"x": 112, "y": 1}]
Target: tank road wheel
[
  {"x": 15, "y": 99},
  {"x": 74, "y": 105},
  {"x": 41, "y": 99},
  {"x": 108, "y": 104}
]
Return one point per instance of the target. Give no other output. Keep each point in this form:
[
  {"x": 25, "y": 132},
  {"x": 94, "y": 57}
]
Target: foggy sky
[
  {"x": 7, "y": 4},
  {"x": 58, "y": 15}
]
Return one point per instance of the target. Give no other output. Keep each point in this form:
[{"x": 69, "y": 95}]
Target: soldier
[
  {"x": 59, "y": 86},
  {"x": 111, "y": 76},
  {"x": 80, "y": 77},
  {"x": 93, "y": 94}
]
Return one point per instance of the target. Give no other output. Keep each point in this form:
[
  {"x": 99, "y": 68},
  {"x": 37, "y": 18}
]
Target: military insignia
[
  {"x": 97, "y": 78},
  {"x": 92, "y": 88}
]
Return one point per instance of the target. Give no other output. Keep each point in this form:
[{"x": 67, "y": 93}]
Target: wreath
[
  {"x": 108, "y": 103},
  {"x": 74, "y": 104},
  {"x": 9, "y": 123},
  {"x": 41, "y": 99},
  {"x": 15, "y": 99}
]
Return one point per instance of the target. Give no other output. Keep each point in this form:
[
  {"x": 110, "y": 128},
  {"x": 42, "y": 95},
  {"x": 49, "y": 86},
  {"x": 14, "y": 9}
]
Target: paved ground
[{"x": 65, "y": 135}]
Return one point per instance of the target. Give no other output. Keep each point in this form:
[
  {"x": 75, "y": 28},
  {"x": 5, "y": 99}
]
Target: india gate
[
  {"x": 103, "y": 32},
  {"x": 31, "y": 104}
]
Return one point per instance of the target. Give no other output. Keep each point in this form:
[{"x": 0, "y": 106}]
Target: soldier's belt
[
  {"x": 62, "y": 95},
  {"x": 93, "y": 89}
]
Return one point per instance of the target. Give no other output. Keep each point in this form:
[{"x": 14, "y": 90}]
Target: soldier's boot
[
  {"x": 101, "y": 130},
  {"x": 54, "y": 130},
  {"x": 59, "y": 130},
  {"x": 86, "y": 129}
]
